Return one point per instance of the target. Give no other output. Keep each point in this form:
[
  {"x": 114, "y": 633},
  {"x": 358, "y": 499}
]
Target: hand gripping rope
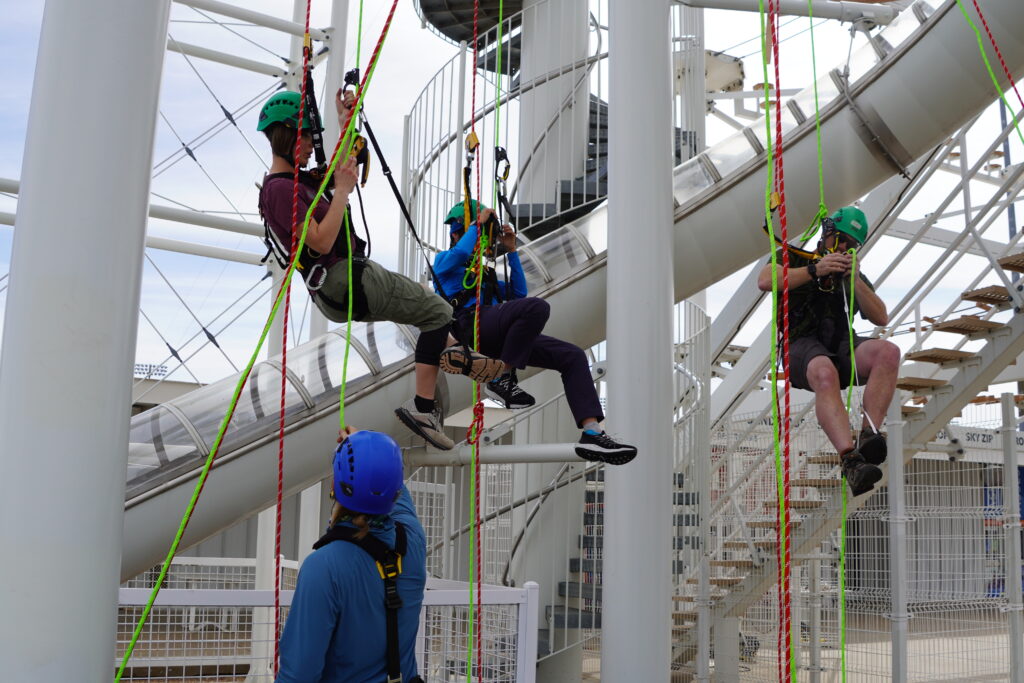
[{"x": 346, "y": 141}]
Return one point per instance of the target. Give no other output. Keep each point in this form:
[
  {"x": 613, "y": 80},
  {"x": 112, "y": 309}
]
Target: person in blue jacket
[
  {"x": 511, "y": 324},
  {"x": 336, "y": 628}
]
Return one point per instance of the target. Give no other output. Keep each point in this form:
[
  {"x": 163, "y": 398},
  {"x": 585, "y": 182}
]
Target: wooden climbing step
[
  {"x": 736, "y": 564},
  {"x": 762, "y": 524},
  {"x": 993, "y": 294},
  {"x": 938, "y": 356},
  {"x": 742, "y": 545},
  {"x": 919, "y": 383},
  {"x": 680, "y": 618},
  {"x": 725, "y": 581},
  {"x": 824, "y": 459},
  {"x": 1014, "y": 262},
  {"x": 795, "y": 504},
  {"x": 817, "y": 483},
  {"x": 967, "y": 325},
  {"x": 910, "y": 410}
]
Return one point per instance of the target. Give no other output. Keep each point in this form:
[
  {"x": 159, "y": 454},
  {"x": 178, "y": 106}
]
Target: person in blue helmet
[
  {"x": 510, "y": 330},
  {"x": 339, "y": 629}
]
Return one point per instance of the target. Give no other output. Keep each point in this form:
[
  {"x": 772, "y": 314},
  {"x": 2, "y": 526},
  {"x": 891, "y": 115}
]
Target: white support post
[
  {"x": 898, "y": 573},
  {"x": 823, "y": 9},
  {"x": 637, "y": 567},
  {"x": 1011, "y": 523},
  {"x": 460, "y": 118},
  {"x": 815, "y": 621},
  {"x": 62, "y": 481}
]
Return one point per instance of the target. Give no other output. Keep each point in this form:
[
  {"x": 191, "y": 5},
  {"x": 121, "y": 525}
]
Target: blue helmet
[{"x": 368, "y": 473}]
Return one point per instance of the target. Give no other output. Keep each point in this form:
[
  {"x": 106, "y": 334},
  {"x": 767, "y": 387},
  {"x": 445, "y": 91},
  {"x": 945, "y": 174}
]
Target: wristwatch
[{"x": 812, "y": 270}]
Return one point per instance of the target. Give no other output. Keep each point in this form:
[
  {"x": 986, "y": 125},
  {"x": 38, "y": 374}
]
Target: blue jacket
[
  {"x": 450, "y": 267},
  {"x": 335, "y": 632}
]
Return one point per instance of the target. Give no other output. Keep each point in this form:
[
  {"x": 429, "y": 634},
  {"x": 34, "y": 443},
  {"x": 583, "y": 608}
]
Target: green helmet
[
  {"x": 458, "y": 212},
  {"x": 851, "y": 221},
  {"x": 282, "y": 107}
]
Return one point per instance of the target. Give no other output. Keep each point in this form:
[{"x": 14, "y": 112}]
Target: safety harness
[
  {"x": 312, "y": 265},
  {"x": 389, "y": 565}
]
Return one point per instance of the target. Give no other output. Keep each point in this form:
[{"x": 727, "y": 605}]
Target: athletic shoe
[
  {"x": 859, "y": 474},
  {"x": 603, "y": 448},
  {"x": 506, "y": 391},
  {"x": 429, "y": 426},
  {"x": 461, "y": 360},
  {"x": 872, "y": 446}
]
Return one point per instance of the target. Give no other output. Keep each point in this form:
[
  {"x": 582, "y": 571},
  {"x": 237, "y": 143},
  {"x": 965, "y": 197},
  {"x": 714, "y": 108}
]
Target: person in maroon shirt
[{"x": 377, "y": 293}]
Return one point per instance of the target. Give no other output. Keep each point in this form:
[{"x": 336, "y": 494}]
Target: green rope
[
  {"x": 812, "y": 229},
  {"x": 346, "y": 144},
  {"x": 988, "y": 66},
  {"x": 776, "y": 418},
  {"x": 359, "y": 34}
]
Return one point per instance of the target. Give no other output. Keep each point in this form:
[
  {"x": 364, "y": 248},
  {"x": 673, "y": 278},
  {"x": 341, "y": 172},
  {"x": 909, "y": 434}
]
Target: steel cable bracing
[
  {"x": 223, "y": 109},
  {"x": 247, "y": 39},
  {"x": 211, "y": 132},
  {"x": 346, "y": 140},
  {"x": 174, "y": 352},
  {"x": 199, "y": 322}
]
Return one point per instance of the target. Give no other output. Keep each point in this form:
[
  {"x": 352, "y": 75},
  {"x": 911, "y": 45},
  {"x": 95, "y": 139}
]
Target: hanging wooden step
[
  {"x": 938, "y": 356},
  {"x": 919, "y": 383},
  {"x": 817, "y": 483},
  {"x": 967, "y": 325},
  {"x": 795, "y": 504},
  {"x": 742, "y": 545},
  {"x": 994, "y": 295},
  {"x": 693, "y": 598},
  {"x": 824, "y": 459},
  {"x": 680, "y": 618},
  {"x": 736, "y": 564},
  {"x": 910, "y": 410},
  {"x": 762, "y": 524},
  {"x": 1014, "y": 262},
  {"x": 726, "y": 581}
]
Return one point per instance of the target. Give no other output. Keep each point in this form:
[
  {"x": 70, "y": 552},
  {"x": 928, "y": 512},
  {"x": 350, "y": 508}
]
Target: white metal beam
[
  {"x": 224, "y": 58},
  {"x": 206, "y": 250},
  {"x": 258, "y": 18},
  {"x": 823, "y": 9}
]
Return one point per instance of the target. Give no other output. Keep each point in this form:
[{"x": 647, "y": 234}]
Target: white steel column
[
  {"x": 898, "y": 573},
  {"x": 1011, "y": 505},
  {"x": 71, "y": 329},
  {"x": 309, "y": 499},
  {"x": 554, "y": 34},
  {"x": 637, "y": 581}
]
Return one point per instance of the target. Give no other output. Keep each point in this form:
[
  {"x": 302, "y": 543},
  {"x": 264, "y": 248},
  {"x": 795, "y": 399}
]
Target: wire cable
[{"x": 174, "y": 351}]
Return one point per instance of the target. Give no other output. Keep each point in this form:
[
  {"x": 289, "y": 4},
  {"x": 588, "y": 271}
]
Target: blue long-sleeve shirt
[
  {"x": 336, "y": 629},
  {"x": 450, "y": 267}
]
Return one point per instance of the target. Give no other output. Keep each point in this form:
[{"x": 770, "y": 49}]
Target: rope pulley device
[{"x": 360, "y": 151}]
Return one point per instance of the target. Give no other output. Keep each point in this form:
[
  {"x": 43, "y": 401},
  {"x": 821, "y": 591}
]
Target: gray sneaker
[{"x": 430, "y": 426}]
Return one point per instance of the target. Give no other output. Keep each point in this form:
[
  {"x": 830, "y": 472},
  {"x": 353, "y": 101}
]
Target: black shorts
[{"x": 804, "y": 349}]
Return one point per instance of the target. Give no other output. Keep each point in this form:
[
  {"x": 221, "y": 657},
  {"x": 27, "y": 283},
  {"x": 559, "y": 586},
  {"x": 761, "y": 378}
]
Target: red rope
[
  {"x": 999, "y": 53},
  {"x": 785, "y": 530},
  {"x": 477, "y": 425},
  {"x": 284, "y": 351}
]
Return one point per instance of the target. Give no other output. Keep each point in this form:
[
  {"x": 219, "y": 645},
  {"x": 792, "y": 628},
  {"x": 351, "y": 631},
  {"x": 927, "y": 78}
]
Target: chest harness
[{"x": 389, "y": 565}]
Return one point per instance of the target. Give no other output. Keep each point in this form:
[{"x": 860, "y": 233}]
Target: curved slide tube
[{"x": 919, "y": 83}]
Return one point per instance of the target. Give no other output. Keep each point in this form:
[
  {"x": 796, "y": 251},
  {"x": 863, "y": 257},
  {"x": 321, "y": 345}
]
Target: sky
[{"x": 236, "y": 160}]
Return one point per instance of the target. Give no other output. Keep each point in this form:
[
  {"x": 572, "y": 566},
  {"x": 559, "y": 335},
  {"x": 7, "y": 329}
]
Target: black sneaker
[
  {"x": 603, "y": 448},
  {"x": 872, "y": 446},
  {"x": 506, "y": 391},
  {"x": 859, "y": 474}
]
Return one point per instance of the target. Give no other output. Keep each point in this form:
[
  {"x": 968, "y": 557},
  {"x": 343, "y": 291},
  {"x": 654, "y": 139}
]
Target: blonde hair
[{"x": 359, "y": 520}]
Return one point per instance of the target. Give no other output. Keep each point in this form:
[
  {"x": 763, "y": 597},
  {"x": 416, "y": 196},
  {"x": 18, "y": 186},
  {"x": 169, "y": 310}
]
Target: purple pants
[{"x": 512, "y": 330}]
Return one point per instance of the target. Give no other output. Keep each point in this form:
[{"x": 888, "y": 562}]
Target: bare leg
[
  {"x": 426, "y": 380},
  {"x": 828, "y": 402},
  {"x": 879, "y": 360}
]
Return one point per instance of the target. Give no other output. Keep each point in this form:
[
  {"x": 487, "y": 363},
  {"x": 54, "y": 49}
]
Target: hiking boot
[
  {"x": 859, "y": 474},
  {"x": 603, "y": 448},
  {"x": 429, "y": 426},
  {"x": 461, "y": 360},
  {"x": 872, "y": 446},
  {"x": 506, "y": 391}
]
